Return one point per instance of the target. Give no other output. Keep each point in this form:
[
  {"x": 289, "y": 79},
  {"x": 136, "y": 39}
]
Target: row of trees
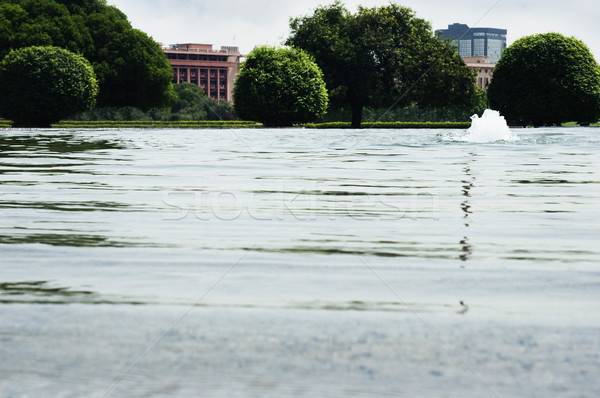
[
  {"x": 378, "y": 57},
  {"x": 385, "y": 57},
  {"x": 60, "y": 57},
  {"x": 373, "y": 58}
]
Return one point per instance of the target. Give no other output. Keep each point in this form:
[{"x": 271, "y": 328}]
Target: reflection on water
[
  {"x": 37, "y": 289},
  {"x": 46, "y": 292},
  {"x": 63, "y": 143},
  {"x": 70, "y": 206},
  {"x": 467, "y": 185},
  {"x": 73, "y": 240}
]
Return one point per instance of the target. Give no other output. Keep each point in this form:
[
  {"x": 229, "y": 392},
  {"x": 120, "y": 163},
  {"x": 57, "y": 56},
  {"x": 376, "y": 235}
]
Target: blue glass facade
[{"x": 473, "y": 42}]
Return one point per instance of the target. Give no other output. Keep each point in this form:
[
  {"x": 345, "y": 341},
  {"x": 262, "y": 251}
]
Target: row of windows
[
  {"x": 212, "y": 81},
  {"x": 197, "y": 57},
  {"x": 222, "y": 73},
  {"x": 481, "y": 46}
]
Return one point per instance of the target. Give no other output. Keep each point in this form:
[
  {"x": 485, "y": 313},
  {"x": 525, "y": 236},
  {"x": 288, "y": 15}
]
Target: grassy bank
[
  {"x": 206, "y": 124},
  {"x": 391, "y": 125},
  {"x": 157, "y": 124}
]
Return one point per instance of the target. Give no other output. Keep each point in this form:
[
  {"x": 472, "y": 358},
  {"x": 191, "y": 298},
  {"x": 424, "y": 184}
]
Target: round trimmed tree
[
  {"x": 42, "y": 85},
  {"x": 546, "y": 79},
  {"x": 279, "y": 87}
]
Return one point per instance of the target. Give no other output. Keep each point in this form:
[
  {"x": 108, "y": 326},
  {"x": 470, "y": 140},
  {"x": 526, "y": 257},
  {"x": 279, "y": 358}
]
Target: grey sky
[{"x": 246, "y": 23}]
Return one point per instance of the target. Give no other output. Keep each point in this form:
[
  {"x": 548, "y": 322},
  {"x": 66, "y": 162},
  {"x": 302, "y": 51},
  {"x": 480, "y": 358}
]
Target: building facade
[
  {"x": 476, "y": 42},
  {"x": 213, "y": 71},
  {"x": 483, "y": 67}
]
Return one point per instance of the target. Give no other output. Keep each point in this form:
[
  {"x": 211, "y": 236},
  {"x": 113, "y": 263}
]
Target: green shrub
[
  {"x": 41, "y": 85},
  {"x": 279, "y": 87},
  {"x": 546, "y": 79}
]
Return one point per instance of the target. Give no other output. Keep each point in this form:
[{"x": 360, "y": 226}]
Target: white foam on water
[{"x": 490, "y": 127}]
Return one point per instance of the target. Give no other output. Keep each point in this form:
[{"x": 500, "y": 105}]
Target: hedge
[
  {"x": 157, "y": 124},
  {"x": 391, "y": 125}
]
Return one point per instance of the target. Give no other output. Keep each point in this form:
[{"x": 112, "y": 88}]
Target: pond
[{"x": 292, "y": 262}]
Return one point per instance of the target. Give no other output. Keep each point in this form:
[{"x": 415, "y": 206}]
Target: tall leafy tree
[
  {"x": 130, "y": 67},
  {"x": 382, "y": 56},
  {"x": 546, "y": 79}
]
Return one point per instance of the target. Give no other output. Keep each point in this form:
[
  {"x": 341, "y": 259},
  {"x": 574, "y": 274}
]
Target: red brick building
[{"x": 213, "y": 71}]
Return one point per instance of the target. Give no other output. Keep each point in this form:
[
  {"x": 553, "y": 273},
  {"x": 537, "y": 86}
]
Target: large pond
[{"x": 339, "y": 263}]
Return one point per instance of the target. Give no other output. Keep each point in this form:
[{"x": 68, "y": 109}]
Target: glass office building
[{"x": 475, "y": 42}]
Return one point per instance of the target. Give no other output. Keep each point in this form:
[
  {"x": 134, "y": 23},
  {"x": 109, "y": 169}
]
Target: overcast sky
[{"x": 246, "y": 23}]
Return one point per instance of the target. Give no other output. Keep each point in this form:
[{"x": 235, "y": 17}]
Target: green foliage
[
  {"x": 192, "y": 104},
  {"x": 546, "y": 79},
  {"x": 130, "y": 67},
  {"x": 112, "y": 113},
  {"x": 413, "y": 112},
  {"x": 382, "y": 56},
  {"x": 41, "y": 85},
  {"x": 279, "y": 87}
]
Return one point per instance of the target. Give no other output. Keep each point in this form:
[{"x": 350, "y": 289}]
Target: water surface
[{"x": 299, "y": 263}]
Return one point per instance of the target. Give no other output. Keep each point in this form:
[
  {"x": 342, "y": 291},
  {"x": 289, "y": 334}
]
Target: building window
[
  {"x": 465, "y": 48},
  {"x": 478, "y": 47}
]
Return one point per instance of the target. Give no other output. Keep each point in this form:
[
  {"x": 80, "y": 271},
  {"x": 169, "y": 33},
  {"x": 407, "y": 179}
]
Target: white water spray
[{"x": 490, "y": 127}]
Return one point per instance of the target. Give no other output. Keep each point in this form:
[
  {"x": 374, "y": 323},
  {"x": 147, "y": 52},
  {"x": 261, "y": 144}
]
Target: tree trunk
[{"x": 357, "y": 111}]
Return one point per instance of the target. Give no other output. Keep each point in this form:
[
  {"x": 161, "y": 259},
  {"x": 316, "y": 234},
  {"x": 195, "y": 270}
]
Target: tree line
[
  {"x": 384, "y": 62},
  {"x": 82, "y": 59}
]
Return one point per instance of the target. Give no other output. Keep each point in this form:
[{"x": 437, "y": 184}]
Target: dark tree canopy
[
  {"x": 382, "y": 56},
  {"x": 279, "y": 87},
  {"x": 131, "y": 68},
  {"x": 42, "y": 85},
  {"x": 546, "y": 79},
  {"x": 193, "y": 104},
  {"x": 190, "y": 102}
]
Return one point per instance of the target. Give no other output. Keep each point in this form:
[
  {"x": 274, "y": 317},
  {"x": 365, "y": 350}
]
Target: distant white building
[{"x": 483, "y": 67}]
